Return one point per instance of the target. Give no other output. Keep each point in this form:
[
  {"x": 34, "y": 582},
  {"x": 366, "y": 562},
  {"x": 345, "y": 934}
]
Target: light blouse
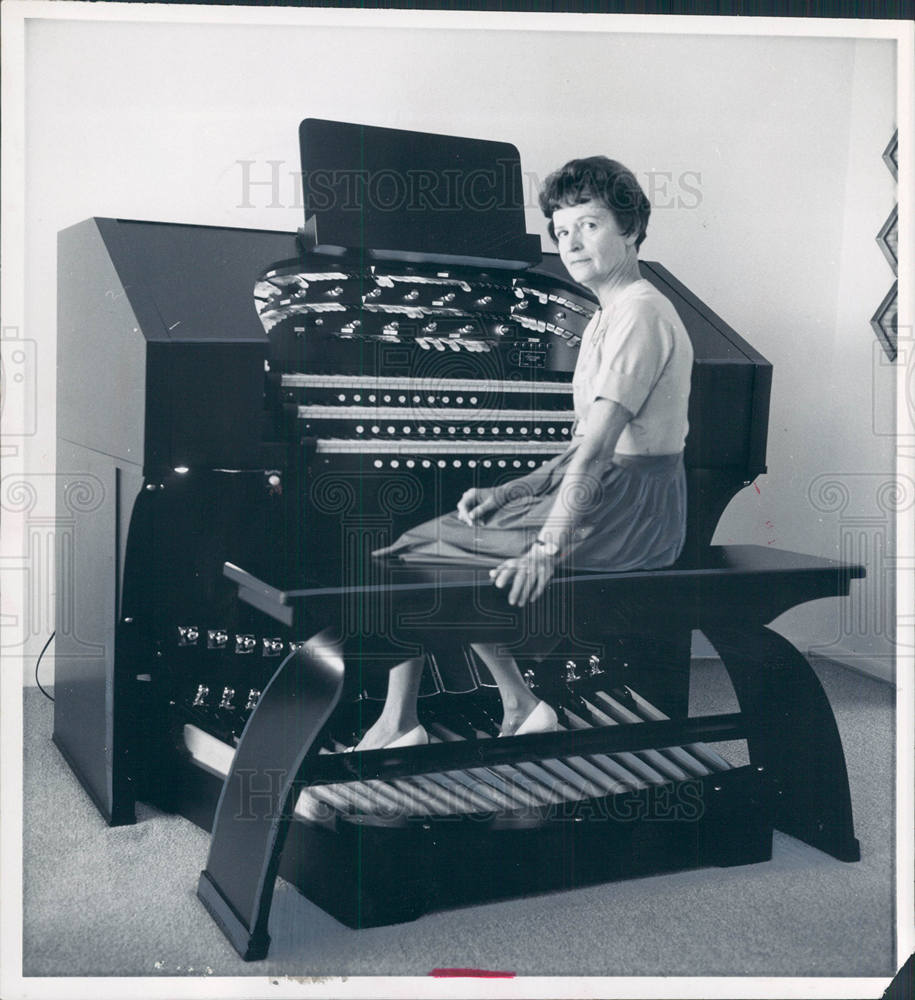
[{"x": 638, "y": 354}]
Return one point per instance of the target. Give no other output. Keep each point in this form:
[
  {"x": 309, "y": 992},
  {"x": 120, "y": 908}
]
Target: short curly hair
[{"x": 598, "y": 178}]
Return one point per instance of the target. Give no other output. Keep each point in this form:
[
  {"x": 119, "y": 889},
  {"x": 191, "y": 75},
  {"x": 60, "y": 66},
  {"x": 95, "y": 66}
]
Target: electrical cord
[{"x": 37, "y": 664}]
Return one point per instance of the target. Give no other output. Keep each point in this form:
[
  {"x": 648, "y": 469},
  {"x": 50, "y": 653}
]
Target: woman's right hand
[{"x": 476, "y": 504}]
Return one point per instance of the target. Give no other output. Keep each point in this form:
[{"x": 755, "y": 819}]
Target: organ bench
[{"x": 796, "y": 779}]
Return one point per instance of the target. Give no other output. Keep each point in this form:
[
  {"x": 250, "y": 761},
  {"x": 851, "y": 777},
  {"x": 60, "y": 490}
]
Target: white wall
[
  {"x": 764, "y": 154},
  {"x": 844, "y": 446}
]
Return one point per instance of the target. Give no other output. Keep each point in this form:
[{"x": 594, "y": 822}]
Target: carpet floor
[{"x": 102, "y": 901}]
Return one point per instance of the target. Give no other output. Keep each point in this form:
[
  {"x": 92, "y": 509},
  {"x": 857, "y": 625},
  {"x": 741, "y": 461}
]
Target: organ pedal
[{"x": 505, "y": 788}]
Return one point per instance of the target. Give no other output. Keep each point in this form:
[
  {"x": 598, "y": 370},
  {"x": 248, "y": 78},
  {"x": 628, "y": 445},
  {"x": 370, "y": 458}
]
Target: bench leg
[
  {"x": 256, "y": 803},
  {"x": 792, "y": 733}
]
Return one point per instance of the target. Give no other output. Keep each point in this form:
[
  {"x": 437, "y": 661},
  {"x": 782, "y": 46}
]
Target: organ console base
[
  {"x": 377, "y": 875},
  {"x": 369, "y": 871}
]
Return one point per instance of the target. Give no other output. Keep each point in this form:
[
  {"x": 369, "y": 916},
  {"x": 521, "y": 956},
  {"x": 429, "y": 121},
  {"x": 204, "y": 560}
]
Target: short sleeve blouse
[{"x": 638, "y": 354}]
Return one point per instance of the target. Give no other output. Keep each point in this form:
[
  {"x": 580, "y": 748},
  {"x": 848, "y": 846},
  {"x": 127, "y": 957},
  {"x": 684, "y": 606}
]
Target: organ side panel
[{"x": 101, "y": 404}]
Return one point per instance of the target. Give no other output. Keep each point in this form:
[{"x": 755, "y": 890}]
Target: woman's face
[{"x": 590, "y": 243}]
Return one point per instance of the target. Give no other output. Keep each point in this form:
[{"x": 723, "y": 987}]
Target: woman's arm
[
  {"x": 606, "y": 420},
  {"x": 530, "y": 573}
]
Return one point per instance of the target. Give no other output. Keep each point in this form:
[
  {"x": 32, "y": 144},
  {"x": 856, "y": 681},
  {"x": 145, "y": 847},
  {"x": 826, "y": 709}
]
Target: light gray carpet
[{"x": 120, "y": 902}]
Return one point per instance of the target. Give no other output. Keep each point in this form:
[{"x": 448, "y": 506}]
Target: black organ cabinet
[{"x": 265, "y": 408}]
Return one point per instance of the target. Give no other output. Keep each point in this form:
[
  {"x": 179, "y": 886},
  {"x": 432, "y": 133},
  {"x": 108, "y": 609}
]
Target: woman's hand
[
  {"x": 528, "y": 575},
  {"x": 476, "y": 504}
]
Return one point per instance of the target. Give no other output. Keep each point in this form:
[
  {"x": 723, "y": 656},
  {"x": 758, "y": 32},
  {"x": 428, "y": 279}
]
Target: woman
[{"x": 616, "y": 498}]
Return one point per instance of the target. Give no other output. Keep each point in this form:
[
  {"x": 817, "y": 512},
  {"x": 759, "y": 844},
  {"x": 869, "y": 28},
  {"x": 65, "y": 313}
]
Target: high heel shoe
[
  {"x": 417, "y": 736},
  {"x": 541, "y": 719}
]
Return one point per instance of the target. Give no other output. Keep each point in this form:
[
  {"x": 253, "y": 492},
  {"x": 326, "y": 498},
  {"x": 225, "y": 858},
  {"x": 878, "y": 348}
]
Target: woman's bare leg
[
  {"x": 518, "y": 701},
  {"x": 399, "y": 716},
  {"x": 399, "y": 713}
]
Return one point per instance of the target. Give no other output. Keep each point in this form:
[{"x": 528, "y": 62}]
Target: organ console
[{"x": 244, "y": 454}]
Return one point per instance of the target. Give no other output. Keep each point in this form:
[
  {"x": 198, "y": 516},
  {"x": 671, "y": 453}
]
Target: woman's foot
[
  {"x": 540, "y": 719},
  {"x": 417, "y": 736},
  {"x": 383, "y": 736}
]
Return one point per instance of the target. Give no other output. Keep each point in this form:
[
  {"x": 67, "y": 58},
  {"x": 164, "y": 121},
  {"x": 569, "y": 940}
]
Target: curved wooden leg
[
  {"x": 792, "y": 733},
  {"x": 256, "y": 803}
]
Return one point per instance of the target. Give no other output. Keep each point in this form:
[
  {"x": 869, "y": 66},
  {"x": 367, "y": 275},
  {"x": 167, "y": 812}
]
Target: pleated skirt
[{"x": 632, "y": 515}]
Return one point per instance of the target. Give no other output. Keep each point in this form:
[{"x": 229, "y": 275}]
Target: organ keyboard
[{"x": 268, "y": 443}]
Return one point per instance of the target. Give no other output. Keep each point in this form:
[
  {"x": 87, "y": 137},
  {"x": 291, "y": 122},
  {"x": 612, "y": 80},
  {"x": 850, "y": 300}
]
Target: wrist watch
[{"x": 550, "y": 548}]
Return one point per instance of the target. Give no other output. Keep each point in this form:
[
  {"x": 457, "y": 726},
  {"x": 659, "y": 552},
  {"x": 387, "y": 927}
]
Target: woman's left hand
[{"x": 528, "y": 575}]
